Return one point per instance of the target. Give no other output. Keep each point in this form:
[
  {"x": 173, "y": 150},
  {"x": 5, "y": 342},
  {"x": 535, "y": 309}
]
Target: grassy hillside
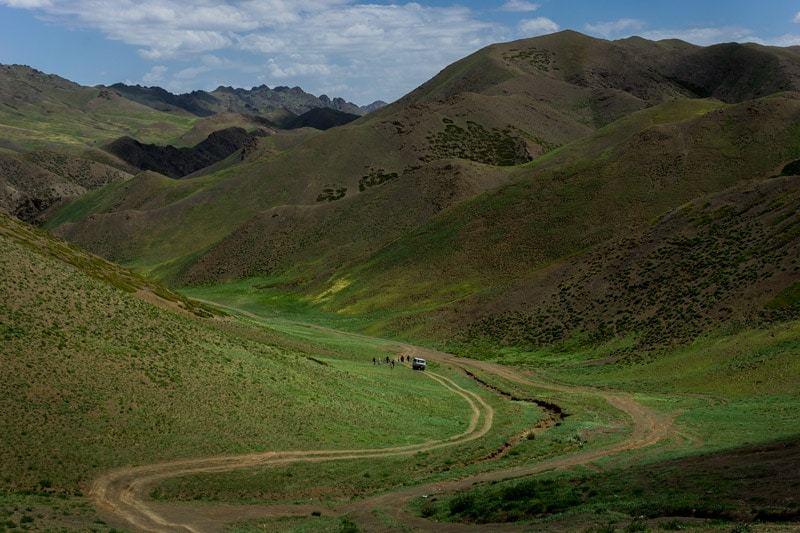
[
  {"x": 33, "y": 182},
  {"x": 728, "y": 258},
  {"x": 563, "y": 100},
  {"x": 88, "y": 359},
  {"x": 39, "y": 110},
  {"x": 734, "y": 394},
  {"x": 424, "y": 218},
  {"x": 637, "y": 169}
]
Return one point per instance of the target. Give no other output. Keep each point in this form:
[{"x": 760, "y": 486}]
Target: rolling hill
[
  {"x": 728, "y": 258},
  {"x": 616, "y": 222},
  {"x": 32, "y": 183},
  {"x": 128, "y": 371},
  {"x": 59, "y": 139},
  {"x": 436, "y": 209},
  {"x": 39, "y": 110}
]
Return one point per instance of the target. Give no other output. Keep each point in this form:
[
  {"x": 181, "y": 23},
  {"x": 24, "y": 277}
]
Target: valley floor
[
  {"x": 592, "y": 432},
  {"x": 184, "y": 416}
]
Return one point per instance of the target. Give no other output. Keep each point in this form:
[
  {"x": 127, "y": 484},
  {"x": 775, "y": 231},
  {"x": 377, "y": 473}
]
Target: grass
[
  {"x": 316, "y": 524},
  {"x": 35, "y": 512},
  {"x": 734, "y": 395},
  {"x": 727, "y": 486},
  {"x": 271, "y": 297},
  {"x": 47, "y": 112},
  {"x": 333, "y": 482},
  {"x": 677, "y": 280},
  {"x": 591, "y": 424},
  {"x": 73, "y": 128},
  {"x": 729, "y": 389},
  {"x": 127, "y": 382}
]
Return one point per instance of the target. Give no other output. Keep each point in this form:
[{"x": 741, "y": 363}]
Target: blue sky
[{"x": 362, "y": 51}]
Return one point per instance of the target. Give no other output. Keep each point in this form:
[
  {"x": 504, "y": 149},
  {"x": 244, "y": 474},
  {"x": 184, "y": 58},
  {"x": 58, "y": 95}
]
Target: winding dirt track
[{"x": 121, "y": 495}]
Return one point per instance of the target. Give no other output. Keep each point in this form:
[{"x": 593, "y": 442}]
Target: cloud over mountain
[{"x": 349, "y": 44}]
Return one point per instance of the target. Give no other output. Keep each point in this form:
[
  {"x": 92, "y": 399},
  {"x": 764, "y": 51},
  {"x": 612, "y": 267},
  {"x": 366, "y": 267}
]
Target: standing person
[
  {"x": 392, "y": 364},
  {"x": 374, "y": 362}
]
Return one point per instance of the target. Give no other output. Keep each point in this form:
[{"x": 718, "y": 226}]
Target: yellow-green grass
[
  {"x": 709, "y": 491},
  {"x": 125, "y": 382},
  {"x": 591, "y": 423},
  {"x": 737, "y": 361},
  {"x": 144, "y": 189},
  {"x": 729, "y": 392},
  {"x": 42, "y": 512},
  {"x": 269, "y": 299},
  {"x": 310, "y": 524},
  {"x": 75, "y": 127}
]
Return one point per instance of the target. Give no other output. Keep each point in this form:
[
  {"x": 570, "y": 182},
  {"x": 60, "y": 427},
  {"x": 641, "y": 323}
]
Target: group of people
[{"x": 389, "y": 361}]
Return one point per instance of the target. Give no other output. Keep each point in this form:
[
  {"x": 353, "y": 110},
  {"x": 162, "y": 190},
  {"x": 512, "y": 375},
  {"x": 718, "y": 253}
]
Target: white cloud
[
  {"x": 155, "y": 75},
  {"x": 520, "y": 6},
  {"x": 538, "y": 26},
  {"x": 615, "y": 27},
  {"x": 261, "y": 43},
  {"x": 704, "y": 36},
  {"x": 381, "y": 49},
  {"x": 796, "y": 18},
  {"x": 294, "y": 70},
  {"x": 190, "y": 73},
  {"x": 27, "y": 4},
  {"x": 787, "y": 39}
]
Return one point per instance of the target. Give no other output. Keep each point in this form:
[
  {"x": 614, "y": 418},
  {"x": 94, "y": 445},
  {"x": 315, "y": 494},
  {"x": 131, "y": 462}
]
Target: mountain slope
[
  {"x": 430, "y": 200},
  {"x": 42, "y": 110},
  {"x": 637, "y": 170},
  {"x": 728, "y": 258},
  {"x": 88, "y": 359},
  {"x": 37, "y": 181}
]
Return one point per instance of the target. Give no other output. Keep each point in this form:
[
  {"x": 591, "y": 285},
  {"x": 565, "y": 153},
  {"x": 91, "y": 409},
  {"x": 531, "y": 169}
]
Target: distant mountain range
[
  {"x": 59, "y": 139},
  {"x": 259, "y": 100}
]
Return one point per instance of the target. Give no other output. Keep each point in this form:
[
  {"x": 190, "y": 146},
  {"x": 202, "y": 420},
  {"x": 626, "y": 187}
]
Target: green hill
[
  {"x": 730, "y": 258},
  {"x": 428, "y": 216},
  {"x": 127, "y": 371},
  {"x": 620, "y": 220},
  {"x": 39, "y": 110},
  {"x": 500, "y": 107},
  {"x": 33, "y": 182}
]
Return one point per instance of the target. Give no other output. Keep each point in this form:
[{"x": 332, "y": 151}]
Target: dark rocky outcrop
[{"x": 178, "y": 162}]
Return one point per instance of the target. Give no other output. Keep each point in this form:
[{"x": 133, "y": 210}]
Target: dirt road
[
  {"x": 121, "y": 496},
  {"x": 648, "y": 428}
]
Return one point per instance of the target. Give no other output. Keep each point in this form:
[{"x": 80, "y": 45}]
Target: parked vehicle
[{"x": 419, "y": 364}]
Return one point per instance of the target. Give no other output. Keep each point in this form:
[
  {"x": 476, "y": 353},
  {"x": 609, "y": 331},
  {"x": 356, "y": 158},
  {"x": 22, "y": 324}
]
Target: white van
[{"x": 418, "y": 364}]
